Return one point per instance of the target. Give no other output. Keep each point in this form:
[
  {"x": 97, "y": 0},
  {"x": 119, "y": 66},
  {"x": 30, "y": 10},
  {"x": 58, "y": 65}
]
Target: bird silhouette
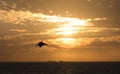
[{"x": 40, "y": 44}]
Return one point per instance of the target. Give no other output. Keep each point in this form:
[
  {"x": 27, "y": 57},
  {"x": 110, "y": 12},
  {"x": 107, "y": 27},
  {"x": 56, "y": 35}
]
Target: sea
[{"x": 59, "y": 67}]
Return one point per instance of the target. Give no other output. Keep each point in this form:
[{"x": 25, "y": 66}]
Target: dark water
[{"x": 60, "y": 68}]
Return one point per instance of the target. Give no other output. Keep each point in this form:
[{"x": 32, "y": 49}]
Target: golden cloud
[
  {"x": 22, "y": 17},
  {"x": 18, "y": 30}
]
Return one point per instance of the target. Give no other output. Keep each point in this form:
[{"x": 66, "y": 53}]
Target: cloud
[
  {"x": 105, "y": 44},
  {"x": 111, "y": 38},
  {"x": 20, "y": 36},
  {"x": 69, "y": 43},
  {"x": 7, "y": 37},
  {"x": 55, "y": 41},
  {"x": 96, "y": 32},
  {"x": 24, "y": 35},
  {"x": 77, "y": 43},
  {"x": 27, "y": 17},
  {"x": 18, "y": 30},
  {"x": 108, "y": 23},
  {"x": 7, "y": 4},
  {"x": 97, "y": 19}
]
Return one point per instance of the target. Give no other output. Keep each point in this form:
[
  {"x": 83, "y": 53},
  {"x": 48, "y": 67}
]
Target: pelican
[{"x": 40, "y": 44}]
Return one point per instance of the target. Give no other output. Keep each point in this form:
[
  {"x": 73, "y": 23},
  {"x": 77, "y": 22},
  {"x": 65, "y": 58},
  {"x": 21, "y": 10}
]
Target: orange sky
[{"x": 75, "y": 30}]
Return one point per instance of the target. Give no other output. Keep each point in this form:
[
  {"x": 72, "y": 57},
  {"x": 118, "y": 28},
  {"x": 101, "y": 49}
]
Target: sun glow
[
  {"x": 67, "y": 42},
  {"x": 65, "y": 25},
  {"x": 78, "y": 23},
  {"x": 70, "y": 27},
  {"x": 67, "y": 30}
]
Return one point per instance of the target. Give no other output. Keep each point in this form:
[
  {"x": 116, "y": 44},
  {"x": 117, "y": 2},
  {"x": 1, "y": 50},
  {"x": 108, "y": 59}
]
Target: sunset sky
[{"x": 75, "y": 30}]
